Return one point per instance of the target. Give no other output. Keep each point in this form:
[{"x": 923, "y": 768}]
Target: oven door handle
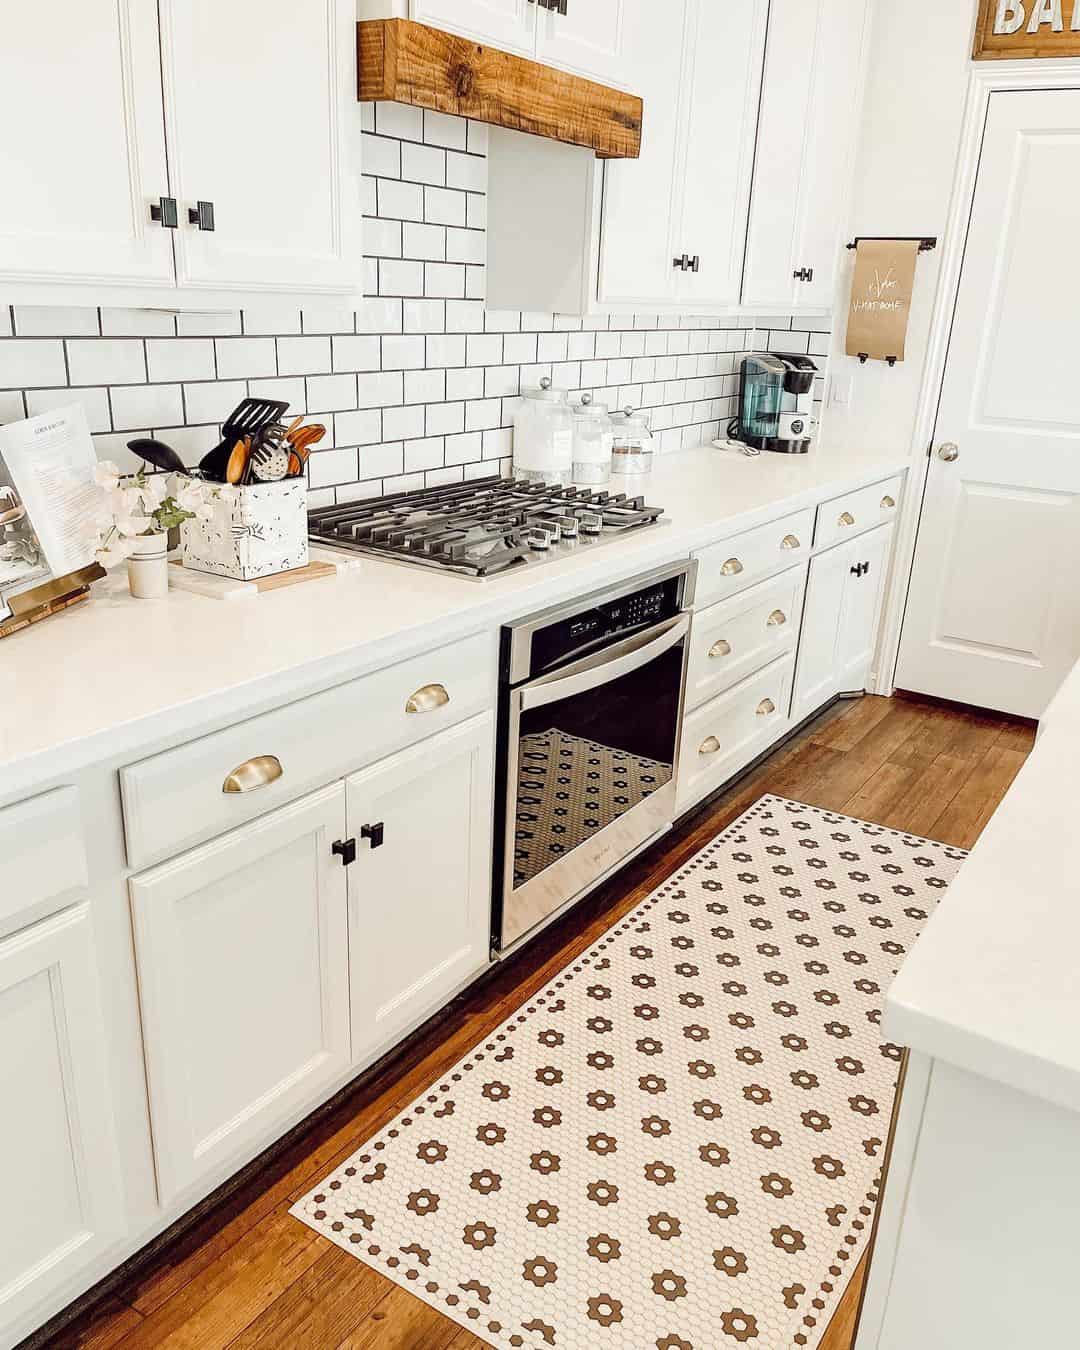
[{"x": 606, "y": 666}]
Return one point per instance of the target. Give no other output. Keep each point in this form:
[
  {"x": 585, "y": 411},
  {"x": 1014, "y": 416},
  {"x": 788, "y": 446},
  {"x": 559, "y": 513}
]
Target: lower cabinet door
[
  {"x": 419, "y": 891},
  {"x": 242, "y": 950},
  {"x": 59, "y": 1168},
  {"x": 844, "y": 597}
]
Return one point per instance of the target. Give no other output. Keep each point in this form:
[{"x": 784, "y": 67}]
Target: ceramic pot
[{"x": 148, "y": 568}]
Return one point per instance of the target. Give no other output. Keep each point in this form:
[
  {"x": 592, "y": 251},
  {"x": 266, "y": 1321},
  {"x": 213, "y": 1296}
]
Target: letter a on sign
[
  {"x": 1010, "y": 16},
  {"x": 1046, "y": 11}
]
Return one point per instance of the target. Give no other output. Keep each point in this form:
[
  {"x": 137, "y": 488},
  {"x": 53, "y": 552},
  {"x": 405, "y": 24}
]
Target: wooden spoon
[{"x": 238, "y": 461}]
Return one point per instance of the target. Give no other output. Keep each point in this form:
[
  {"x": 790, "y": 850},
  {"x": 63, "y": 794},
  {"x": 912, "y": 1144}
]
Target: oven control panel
[{"x": 566, "y": 640}]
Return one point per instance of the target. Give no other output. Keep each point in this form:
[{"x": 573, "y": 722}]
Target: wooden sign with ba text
[{"x": 1022, "y": 29}]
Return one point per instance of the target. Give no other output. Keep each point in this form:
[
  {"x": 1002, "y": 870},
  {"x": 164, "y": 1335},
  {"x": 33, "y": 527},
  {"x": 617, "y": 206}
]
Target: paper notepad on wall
[{"x": 881, "y": 292}]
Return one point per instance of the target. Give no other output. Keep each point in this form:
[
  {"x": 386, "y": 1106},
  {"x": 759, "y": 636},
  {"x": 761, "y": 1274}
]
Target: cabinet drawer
[
  {"x": 724, "y": 735},
  {"x": 202, "y": 789},
  {"x": 41, "y": 850},
  {"x": 735, "y": 638},
  {"x": 734, "y": 564},
  {"x": 857, "y": 511}
]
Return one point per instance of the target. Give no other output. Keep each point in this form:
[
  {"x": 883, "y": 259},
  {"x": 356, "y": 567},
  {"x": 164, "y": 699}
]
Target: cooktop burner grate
[{"x": 482, "y": 528}]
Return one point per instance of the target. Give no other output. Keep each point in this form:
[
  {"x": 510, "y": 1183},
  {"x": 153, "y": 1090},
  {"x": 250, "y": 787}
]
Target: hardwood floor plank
[
  {"x": 321, "y": 1308},
  {"x": 840, "y": 1334},
  {"x": 248, "y": 1274}
]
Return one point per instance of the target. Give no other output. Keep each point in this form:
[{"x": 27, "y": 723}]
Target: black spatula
[{"x": 247, "y": 419}]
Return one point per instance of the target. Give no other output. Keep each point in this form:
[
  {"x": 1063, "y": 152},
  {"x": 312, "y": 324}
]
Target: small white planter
[
  {"x": 263, "y": 530},
  {"x": 148, "y": 567}
]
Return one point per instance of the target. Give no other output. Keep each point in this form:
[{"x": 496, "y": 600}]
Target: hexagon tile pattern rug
[{"x": 677, "y": 1143}]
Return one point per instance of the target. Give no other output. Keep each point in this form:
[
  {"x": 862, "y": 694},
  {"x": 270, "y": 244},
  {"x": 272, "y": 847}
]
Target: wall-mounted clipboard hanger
[{"x": 927, "y": 244}]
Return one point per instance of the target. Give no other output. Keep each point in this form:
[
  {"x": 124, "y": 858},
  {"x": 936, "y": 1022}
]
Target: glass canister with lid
[
  {"x": 632, "y": 455},
  {"x": 593, "y": 443},
  {"x": 544, "y": 436}
]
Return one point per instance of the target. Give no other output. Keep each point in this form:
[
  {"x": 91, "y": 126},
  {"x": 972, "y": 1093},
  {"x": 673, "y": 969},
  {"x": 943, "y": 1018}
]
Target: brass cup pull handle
[
  {"x": 791, "y": 541},
  {"x": 720, "y": 648},
  {"x": 887, "y": 503},
  {"x": 253, "y": 774},
  {"x": 709, "y": 746},
  {"x": 427, "y": 699},
  {"x": 846, "y": 519},
  {"x": 777, "y": 619},
  {"x": 766, "y": 708},
  {"x": 732, "y": 567}
]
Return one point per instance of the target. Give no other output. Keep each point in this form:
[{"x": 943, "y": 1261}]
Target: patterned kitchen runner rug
[{"x": 675, "y": 1144}]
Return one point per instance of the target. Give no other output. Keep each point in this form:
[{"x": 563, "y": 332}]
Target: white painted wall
[{"x": 908, "y": 144}]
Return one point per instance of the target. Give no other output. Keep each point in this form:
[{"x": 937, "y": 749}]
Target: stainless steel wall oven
[{"x": 590, "y": 712}]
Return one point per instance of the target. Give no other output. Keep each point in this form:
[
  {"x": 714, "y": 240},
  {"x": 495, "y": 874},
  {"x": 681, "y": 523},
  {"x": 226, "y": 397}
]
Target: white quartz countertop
[
  {"x": 118, "y": 675},
  {"x": 993, "y": 984}
]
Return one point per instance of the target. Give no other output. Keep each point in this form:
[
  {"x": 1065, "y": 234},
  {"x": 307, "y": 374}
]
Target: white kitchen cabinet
[
  {"x": 236, "y": 125},
  {"x": 419, "y": 891},
  {"x": 242, "y": 952},
  {"x": 721, "y": 87},
  {"x": 587, "y": 39},
  {"x": 508, "y": 24},
  {"x": 844, "y": 597},
  {"x": 82, "y": 156},
  {"x": 59, "y": 1163},
  {"x": 665, "y": 232},
  {"x": 806, "y": 140}
]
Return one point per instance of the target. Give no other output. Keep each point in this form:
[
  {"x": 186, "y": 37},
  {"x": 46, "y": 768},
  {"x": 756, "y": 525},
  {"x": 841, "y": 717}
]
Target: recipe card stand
[{"x": 51, "y": 597}]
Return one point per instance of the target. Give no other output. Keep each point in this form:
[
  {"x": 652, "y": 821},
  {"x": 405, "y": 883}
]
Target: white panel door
[
  {"x": 508, "y": 24},
  {"x": 242, "y": 950},
  {"x": 587, "y": 39},
  {"x": 420, "y": 889},
  {"x": 721, "y": 88},
  {"x": 59, "y": 1166},
  {"x": 638, "y": 233},
  {"x": 82, "y": 152},
  {"x": 262, "y": 122},
  {"x": 993, "y": 615}
]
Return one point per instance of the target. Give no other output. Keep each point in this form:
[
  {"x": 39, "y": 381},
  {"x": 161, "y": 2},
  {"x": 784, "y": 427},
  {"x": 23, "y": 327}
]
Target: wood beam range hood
[{"x": 408, "y": 62}]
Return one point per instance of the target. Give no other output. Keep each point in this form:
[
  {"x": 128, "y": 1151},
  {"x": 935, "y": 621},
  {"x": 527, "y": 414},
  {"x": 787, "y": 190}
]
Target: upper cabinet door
[
  {"x": 721, "y": 91},
  {"x": 779, "y": 173},
  {"x": 82, "y": 157},
  {"x": 509, "y": 24},
  {"x": 263, "y": 125},
  {"x": 813, "y": 78},
  {"x": 638, "y": 232},
  {"x": 587, "y": 39},
  {"x": 830, "y": 148}
]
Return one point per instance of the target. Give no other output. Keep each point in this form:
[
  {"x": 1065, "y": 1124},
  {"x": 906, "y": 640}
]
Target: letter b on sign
[{"x": 1010, "y": 16}]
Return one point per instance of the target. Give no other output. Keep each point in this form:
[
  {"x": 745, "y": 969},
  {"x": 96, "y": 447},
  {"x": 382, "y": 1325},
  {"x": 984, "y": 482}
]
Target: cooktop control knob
[
  {"x": 592, "y": 523},
  {"x": 570, "y": 528},
  {"x": 538, "y": 539}
]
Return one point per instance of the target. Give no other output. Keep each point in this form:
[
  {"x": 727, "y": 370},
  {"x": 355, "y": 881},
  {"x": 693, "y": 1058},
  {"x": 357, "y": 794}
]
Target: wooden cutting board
[{"x": 228, "y": 588}]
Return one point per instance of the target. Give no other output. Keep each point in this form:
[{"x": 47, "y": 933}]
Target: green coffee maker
[{"x": 776, "y": 403}]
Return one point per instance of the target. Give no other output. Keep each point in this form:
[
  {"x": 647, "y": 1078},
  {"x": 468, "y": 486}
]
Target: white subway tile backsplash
[
  {"x": 146, "y": 405},
  {"x": 357, "y": 353},
  {"x": 417, "y": 383},
  {"x": 214, "y": 400},
  {"x": 239, "y": 357},
  {"x": 32, "y": 361},
  {"x": 55, "y": 321},
  {"x": 109, "y": 361},
  {"x": 95, "y": 404},
  {"x": 180, "y": 359}
]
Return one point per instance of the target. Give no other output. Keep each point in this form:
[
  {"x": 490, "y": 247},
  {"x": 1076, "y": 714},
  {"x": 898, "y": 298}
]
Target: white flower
[
  {"x": 191, "y": 496},
  {"x": 132, "y": 523},
  {"x": 112, "y": 555},
  {"x": 106, "y": 473},
  {"x": 154, "y": 491}
]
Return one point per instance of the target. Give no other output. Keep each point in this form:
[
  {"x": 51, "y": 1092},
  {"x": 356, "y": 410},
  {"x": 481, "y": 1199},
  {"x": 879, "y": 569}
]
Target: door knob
[{"x": 949, "y": 452}]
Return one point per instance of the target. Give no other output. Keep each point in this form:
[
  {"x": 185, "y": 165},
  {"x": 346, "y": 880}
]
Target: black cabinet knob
[
  {"x": 165, "y": 213},
  {"x": 374, "y": 833},
  {"x": 202, "y": 215}
]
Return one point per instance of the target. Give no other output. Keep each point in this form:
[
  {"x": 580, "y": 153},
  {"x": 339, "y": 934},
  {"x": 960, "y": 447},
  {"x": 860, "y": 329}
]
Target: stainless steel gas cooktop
[{"x": 482, "y": 528}]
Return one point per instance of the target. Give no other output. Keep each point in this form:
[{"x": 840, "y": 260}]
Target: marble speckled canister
[{"x": 261, "y": 532}]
